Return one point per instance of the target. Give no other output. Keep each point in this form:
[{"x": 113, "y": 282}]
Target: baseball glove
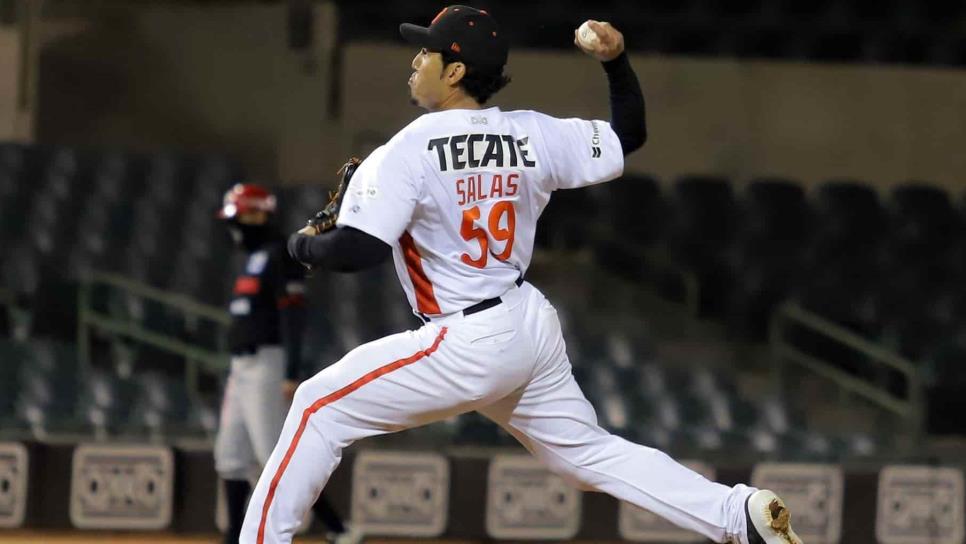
[{"x": 325, "y": 219}]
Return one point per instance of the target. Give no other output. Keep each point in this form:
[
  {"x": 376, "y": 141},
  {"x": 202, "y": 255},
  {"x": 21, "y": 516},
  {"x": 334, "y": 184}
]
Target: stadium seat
[
  {"x": 560, "y": 227},
  {"x": 21, "y": 270},
  {"x": 758, "y": 290},
  {"x": 634, "y": 208},
  {"x": 13, "y": 354},
  {"x": 109, "y": 177},
  {"x": 106, "y": 403},
  {"x": 12, "y": 198},
  {"x": 472, "y": 428},
  {"x": 53, "y": 305},
  {"x": 775, "y": 208},
  {"x": 186, "y": 275},
  {"x": 11, "y": 157},
  {"x": 945, "y": 373},
  {"x": 850, "y": 212},
  {"x": 92, "y": 228},
  {"x": 204, "y": 418},
  {"x": 163, "y": 407},
  {"x": 8, "y": 182},
  {"x": 845, "y": 262},
  {"x": 768, "y": 254},
  {"x": 703, "y": 207},
  {"x": 61, "y": 173},
  {"x": 703, "y": 224},
  {"x": 924, "y": 222},
  {"x": 799, "y": 446},
  {"x": 48, "y": 388}
]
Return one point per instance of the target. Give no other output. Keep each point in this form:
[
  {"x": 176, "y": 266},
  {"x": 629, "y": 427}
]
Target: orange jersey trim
[{"x": 425, "y": 296}]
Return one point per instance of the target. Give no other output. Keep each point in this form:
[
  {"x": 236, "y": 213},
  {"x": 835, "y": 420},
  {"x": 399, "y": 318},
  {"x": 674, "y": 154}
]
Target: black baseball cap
[{"x": 469, "y": 34}]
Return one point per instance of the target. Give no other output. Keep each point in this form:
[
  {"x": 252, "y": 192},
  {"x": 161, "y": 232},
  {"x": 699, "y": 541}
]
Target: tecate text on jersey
[{"x": 481, "y": 151}]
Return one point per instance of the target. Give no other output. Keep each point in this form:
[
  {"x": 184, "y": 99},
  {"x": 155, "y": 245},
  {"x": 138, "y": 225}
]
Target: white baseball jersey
[{"x": 457, "y": 195}]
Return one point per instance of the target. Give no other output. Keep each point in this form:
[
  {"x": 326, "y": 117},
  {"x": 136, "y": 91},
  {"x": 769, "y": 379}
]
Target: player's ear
[{"x": 455, "y": 72}]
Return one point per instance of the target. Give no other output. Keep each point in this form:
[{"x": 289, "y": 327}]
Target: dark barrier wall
[{"x": 467, "y": 495}]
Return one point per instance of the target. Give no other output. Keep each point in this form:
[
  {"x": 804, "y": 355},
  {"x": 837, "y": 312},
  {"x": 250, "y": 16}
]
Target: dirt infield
[
  {"x": 85, "y": 537},
  {"x": 92, "y": 537},
  {"x": 98, "y": 537}
]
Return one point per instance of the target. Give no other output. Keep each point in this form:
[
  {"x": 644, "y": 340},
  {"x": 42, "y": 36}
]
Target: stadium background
[{"x": 777, "y": 279}]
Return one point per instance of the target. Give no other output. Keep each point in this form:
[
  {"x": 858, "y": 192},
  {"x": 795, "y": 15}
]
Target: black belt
[{"x": 479, "y": 306}]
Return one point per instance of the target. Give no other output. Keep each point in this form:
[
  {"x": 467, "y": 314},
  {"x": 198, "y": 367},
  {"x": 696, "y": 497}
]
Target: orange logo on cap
[
  {"x": 455, "y": 47},
  {"x": 438, "y": 15}
]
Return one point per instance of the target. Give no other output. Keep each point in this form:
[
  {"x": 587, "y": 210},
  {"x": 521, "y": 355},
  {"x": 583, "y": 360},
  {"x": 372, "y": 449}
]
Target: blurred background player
[{"x": 267, "y": 320}]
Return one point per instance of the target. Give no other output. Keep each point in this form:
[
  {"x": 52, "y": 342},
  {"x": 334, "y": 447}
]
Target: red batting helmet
[{"x": 246, "y": 197}]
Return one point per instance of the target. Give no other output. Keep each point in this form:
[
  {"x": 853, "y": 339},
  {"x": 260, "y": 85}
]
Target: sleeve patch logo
[
  {"x": 595, "y": 151},
  {"x": 256, "y": 263}
]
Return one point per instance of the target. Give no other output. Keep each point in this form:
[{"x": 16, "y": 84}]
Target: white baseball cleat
[
  {"x": 769, "y": 521},
  {"x": 351, "y": 535}
]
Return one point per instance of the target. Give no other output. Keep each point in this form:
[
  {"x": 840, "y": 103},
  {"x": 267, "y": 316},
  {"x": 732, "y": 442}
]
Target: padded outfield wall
[{"x": 464, "y": 494}]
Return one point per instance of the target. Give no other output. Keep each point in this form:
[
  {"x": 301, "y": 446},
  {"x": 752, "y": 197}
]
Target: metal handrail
[
  {"x": 187, "y": 304},
  {"x": 849, "y": 338},
  {"x": 909, "y": 407},
  {"x": 195, "y": 356},
  {"x": 107, "y": 324}
]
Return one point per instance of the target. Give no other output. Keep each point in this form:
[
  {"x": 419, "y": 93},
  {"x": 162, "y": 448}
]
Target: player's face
[
  {"x": 428, "y": 86},
  {"x": 254, "y": 217}
]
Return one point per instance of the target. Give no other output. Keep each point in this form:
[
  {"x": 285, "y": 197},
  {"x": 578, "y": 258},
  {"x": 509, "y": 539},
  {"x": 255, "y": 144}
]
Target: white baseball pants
[
  {"x": 252, "y": 413},
  {"x": 509, "y": 363}
]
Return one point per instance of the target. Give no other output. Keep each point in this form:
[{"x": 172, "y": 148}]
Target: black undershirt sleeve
[
  {"x": 626, "y": 104},
  {"x": 343, "y": 249}
]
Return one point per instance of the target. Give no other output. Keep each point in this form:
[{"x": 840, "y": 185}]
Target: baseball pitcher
[{"x": 454, "y": 197}]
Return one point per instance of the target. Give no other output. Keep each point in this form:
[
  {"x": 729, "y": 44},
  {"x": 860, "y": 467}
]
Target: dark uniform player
[{"x": 268, "y": 317}]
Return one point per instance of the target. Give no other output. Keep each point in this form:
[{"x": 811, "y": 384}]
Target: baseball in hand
[
  {"x": 599, "y": 40},
  {"x": 587, "y": 37}
]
